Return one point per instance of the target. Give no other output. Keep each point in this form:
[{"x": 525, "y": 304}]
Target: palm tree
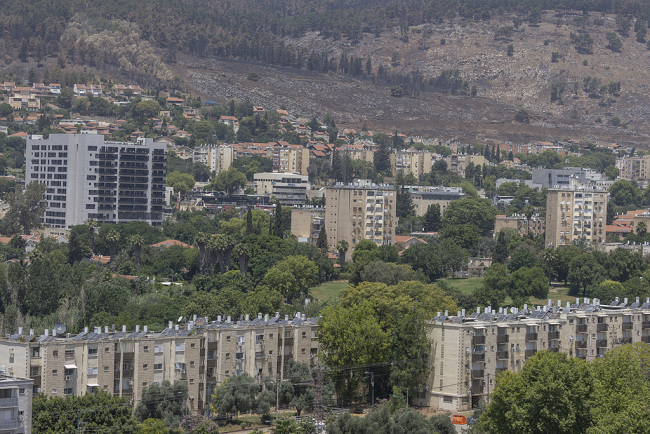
[
  {"x": 243, "y": 253},
  {"x": 550, "y": 256},
  {"x": 342, "y": 248},
  {"x": 91, "y": 224},
  {"x": 228, "y": 246},
  {"x": 529, "y": 210},
  {"x": 112, "y": 237},
  {"x": 137, "y": 242},
  {"x": 642, "y": 229},
  {"x": 202, "y": 240}
]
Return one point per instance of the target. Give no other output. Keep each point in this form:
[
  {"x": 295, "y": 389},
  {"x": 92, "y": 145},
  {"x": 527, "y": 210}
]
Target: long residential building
[
  {"x": 201, "y": 354},
  {"x": 469, "y": 351},
  {"x": 287, "y": 188},
  {"x": 87, "y": 177},
  {"x": 360, "y": 211},
  {"x": 575, "y": 213},
  {"x": 635, "y": 168}
]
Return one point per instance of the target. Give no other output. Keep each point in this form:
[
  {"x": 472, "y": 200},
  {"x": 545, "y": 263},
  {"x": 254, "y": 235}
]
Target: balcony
[
  {"x": 581, "y": 345},
  {"x": 645, "y": 324},
  {"x": 602, "y": 327},
  {"x": 553, "y": 336},
  {"x": 478, "y": 357},
  {"x": 582, "y": 328},
  {"x": 601, "y": 343},
  {"x": 502, "y": 355},
  {"x": 645, "y": 339},
  {"x": 8, "y": 424},
  {"x": 478, "y": 340},
  {"x": 531, "y": 337},
  {"x": 502, "y": 339},
  {"x": 530, "y": 353},
  {"x": 628, "y": 325},
  {"x": 626, "y": 340},
  {"x": 477, "y": 374},
  {"x": 554, "y": 349},
  {"x": 8, "y": 402},
  {"x": 477, "y": 387}
]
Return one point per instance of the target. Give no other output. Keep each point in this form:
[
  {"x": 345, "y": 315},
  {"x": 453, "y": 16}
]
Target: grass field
[
  {"x": 328, "y": 290},
  {"x": 468, "y": 286}
]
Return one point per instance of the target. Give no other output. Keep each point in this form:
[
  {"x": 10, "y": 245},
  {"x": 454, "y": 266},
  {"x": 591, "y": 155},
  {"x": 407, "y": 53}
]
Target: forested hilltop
[{"x": 570, "y": 64}]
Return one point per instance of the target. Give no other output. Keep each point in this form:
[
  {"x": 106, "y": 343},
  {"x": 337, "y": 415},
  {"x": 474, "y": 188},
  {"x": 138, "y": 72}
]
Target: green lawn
[
  {"x": 468, "y": 286},
  {"x": 328, "y": 289}
]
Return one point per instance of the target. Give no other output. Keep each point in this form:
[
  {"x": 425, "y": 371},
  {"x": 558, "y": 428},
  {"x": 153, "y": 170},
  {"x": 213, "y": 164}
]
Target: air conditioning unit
[{"x": 68, "y": 377}]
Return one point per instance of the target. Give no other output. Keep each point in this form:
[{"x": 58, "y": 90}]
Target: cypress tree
[
  {"x": 249, "y": 222},
  {"x": 321, "y": 242}
]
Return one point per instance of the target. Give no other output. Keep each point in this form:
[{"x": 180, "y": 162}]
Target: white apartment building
[
  {"x": 88, "y": 177},
  {"x": 217, "y": 157},
  {"x": 15, "y": 404},
  {"x": 288, "y": 188}
]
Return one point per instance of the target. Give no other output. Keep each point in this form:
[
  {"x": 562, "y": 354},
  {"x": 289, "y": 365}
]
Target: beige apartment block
[
  {"x": 521, "y": 224},
  {"x": 358, "y": 153},
  {"x": 217, "y": 157},
  {"x": 634, "y": 168},
  {"x": 306, "y": 223},
  {"x": 468, "y": 352},
  {"x": 358, "y": 211},
  {"x": 411, "y": 161},
  {"x": 574, "y": 213},
  {"x": 290, "y": 158},
  {"x": 200, "y": 354},
  {"x": 287, "y": 188},
  {"x": 424, "y": 196},
  {"x": 459, "y": 162}
]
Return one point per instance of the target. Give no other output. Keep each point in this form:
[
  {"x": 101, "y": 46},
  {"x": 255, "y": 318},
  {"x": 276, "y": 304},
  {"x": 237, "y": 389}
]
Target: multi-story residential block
[
  {"x": 458, "y": 162},
  {"x": 411, "y": 161},
  {"x": 424, "y": 196},
  {"x": 635, "y": 168},
  {"x": 360, "y": 211},
  {"x": 87, "y": 177},
  {"x": 24, "y": 98},
  {"x": 288, "y": 188},
  {"x": 290, "y": 158},
  {"x": 307, "y": 222},
  {"x": 15, "y": 404},
  {"x": 358, "y": 152},
  {"x": 574, "y": 214},
  {"x": 217, "y": 157},
  {"x": 469, "y": 351},
  {"x": 535, "y": 226},
  {"x": 202, "y": 355}
]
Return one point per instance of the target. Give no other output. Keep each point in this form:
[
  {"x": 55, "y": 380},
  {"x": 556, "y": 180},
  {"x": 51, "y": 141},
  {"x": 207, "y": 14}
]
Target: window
[
  {"x": 180, "y": 347},
  {"x": 191, "y": 380},
  {"x": 270, "y": 335},
  {"x": 259, "y": 338},
  {"x": 145, "y": 367},
  {"x": 69, "y": 353},
  {"x": 227, "y": 355},
  {"x": 146, "y": 349},
  {"x": 53, "y": 391},
  {"x": 107, "y": 349},
  {"x": 92, "y": 351},
  {"x": 68, "y": 372},
  {"x": 54, "y": 372},
  {"x": 158, "y": 349},
  {"x": 157, "y": 366},
  {"x": 447, "y": 399},
  {"x": 21, "y": 391},
  {"x": 105, "y": 368},
  {"x": 92, "y": 371},
  {"x": 68, "y": 391},
  {"x": 34, "y": 372},
  {"x": 304, "y": 351},
  {"x": 144, "y": 384},
  {"x": 304, "y": 335},
  {"x": 227, "y": 338},
  {"x": 192, "y": 364},
  {"x": 55, "y": 354},
  {"x": 287, "y": 334},
  {"x": 192, "y": 345}
]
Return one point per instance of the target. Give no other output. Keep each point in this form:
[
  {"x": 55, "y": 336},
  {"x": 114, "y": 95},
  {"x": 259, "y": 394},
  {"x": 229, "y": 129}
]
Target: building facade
[
  {"x": 307, "y": 222},
  {"x": 411, "y": 161},
  {"x": 458, "y": 163},
  {"x": 423, "y": 196},
  {"x": 290, "y": 158},
  {"x": 635, "y": 168},
  {"x": 360, "y": 211},
  {"x": 288, "y": 188},
  {"x": 469, "y": 352},
  {"x": 217, "y": 157},
  {"x": 15, "y": 404},
  {"x": 87, "y": 177},
  {"x": 575, "y": 213},
  {"x": 554, "y": 178},
  {"x": 124, "y": 363},
  {"x": 535, "y": 226}
]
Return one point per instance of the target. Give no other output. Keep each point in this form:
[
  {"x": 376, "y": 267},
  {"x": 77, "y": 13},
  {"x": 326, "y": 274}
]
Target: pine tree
[
  {"x": 432, "y": 218},
  {"x": 321, "y": 242},
  {"x": 498, "y": 153},
  {"x": 500, "y": 254},
  {"x": 404, "y": 206}
]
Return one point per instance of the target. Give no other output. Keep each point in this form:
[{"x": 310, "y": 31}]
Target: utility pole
[{"x": 372, "y": 384}]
